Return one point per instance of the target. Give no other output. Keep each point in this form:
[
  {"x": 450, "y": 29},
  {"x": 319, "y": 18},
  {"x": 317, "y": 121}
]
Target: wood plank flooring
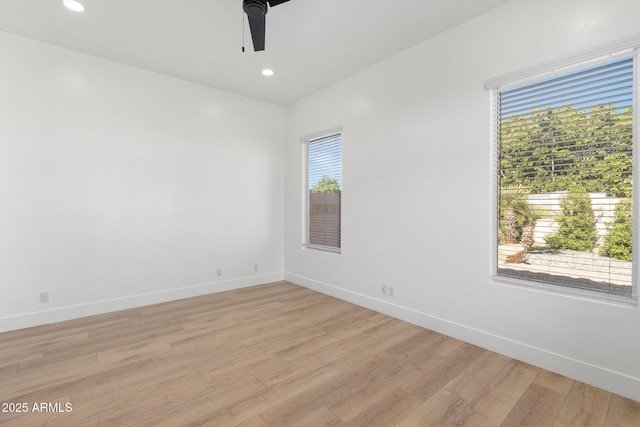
[{"x": 278, "y": 355}]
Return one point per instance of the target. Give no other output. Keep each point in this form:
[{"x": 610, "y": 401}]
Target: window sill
[
  {"x": 325, "y": 249},
  {"x": 566, "y": 292}
]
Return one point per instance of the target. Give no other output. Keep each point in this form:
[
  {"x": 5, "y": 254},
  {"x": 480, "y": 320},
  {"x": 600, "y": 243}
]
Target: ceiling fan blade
[
  {"x": 276, "y": 2},
  {"x": 257, "y": 26}
]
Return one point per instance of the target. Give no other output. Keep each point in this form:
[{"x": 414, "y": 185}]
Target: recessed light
[
  {"x": 267, "y": 72},
  {"x": 73, "y": 5}
]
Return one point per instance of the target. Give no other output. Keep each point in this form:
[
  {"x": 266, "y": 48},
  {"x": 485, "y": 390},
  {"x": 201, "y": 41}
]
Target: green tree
[
  {"x": 577, "y": 223},
  {"x": 611, "y": 136},
  {"x": 551, "y": 142},
  {"x": 553, "y": 149},
  {"x": 529, "y": 214},
  {"x": 512, "y": 198},
  {"x": 326, "y": 185},
  {"x": 618, "y": 243}
]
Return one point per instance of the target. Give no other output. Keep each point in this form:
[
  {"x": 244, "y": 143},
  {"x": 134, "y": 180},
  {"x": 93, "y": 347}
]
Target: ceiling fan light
[
  {"x": 267, "y": 72},
  {"x": 73, "y": 5}
]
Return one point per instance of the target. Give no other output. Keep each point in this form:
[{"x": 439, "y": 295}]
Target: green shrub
[
  {"x": 553, "y": 241},
  {"x": 618, "y": 243},
  {"x": 577, "y": 224}
]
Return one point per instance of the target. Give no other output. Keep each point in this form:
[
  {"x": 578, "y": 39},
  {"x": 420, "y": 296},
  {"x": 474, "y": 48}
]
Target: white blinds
[
  {"x": 565, "y": 175},
  {"x": 322, "y": 165}
]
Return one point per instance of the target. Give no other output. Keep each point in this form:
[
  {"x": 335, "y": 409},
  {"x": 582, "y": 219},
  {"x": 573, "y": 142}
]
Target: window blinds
[
  {"x": 322, "y": 165},
  {"x": 565, "y": 173}
]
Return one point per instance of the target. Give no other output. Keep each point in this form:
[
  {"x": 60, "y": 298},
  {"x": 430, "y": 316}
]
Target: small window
[
  {"x": 322, "y": 188},
  {"x": 565, "y": 211}
]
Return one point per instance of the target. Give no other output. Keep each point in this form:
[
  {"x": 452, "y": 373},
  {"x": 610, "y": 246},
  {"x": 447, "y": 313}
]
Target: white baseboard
[
  {"x": 99, "y": 307},
  {"x": 598, "y": 376}
]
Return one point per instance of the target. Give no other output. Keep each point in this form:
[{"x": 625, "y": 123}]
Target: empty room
[{"x": 319, "y": 213}]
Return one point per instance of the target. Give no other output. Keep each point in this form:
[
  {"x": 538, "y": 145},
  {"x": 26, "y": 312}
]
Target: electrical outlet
[
  {"x": 44, "y": 297},
  {"x": 390, "y": 291},
  {"x": 219, "y": 272},
  {"x": 383, "y": 289},
  {"x": 255, "y": 267}
]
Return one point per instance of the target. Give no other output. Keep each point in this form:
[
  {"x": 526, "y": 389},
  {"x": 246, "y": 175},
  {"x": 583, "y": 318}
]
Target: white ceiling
[{"x": 309, "y": 43}]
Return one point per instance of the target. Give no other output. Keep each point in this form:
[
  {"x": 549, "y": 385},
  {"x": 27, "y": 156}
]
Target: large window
[
  {"x": 565, "y": 178},
  {"x": 322, "y": 192}
]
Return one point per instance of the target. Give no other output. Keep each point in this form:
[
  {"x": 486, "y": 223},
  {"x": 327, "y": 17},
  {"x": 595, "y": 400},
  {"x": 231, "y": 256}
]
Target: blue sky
[
  {"x": 608, "y": 83},
  {"x": 325, "y": 158}
]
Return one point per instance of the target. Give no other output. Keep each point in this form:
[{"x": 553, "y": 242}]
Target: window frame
[
  {"x": 608, "y": 52},
  {"x": 305, "y": 142}
]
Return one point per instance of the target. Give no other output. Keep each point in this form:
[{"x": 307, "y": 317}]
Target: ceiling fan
[{"x": 256, "y": 11}]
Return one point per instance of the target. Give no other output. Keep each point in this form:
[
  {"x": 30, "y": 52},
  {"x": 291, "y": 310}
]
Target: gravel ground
[{"x": 574, "y": 269}]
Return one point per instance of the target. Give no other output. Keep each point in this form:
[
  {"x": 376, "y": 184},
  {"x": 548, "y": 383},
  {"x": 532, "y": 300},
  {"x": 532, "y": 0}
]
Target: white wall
[
  {"x": 418, "y": 124},
  {"x": 120, "y": 187}
]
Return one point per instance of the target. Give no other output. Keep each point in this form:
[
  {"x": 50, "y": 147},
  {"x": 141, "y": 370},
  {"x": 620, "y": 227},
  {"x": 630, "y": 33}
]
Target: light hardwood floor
[{"x": 280, "y": 355}]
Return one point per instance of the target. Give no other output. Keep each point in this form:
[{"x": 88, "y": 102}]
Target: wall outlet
[
  {"x": 219, "y": 272},
  {"x": 390, "y": 291},
  {"x": 44, "y": 297},
  {"x": 255, "y": 267},
  {"x": 383, "y": 289}
]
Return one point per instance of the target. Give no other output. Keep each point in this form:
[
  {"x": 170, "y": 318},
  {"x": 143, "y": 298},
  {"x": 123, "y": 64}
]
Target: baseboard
[
  {"x": 99, "y": 307},
  {"x": 598, "y": 376}
]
